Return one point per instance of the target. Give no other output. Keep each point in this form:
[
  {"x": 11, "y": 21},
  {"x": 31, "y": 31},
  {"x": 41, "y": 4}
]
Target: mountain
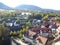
[
  {"x": 51, "y": 10},
  {"x": 28, "y": 7},
  {"x": 25, "y": 7},
  {"x": 3, "y": 6},
  {"x": 32, "y": 7}
]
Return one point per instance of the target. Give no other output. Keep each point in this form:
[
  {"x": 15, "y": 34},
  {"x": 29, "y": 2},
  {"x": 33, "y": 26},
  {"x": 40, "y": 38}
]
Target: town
[{"x": 29, "y": 27}]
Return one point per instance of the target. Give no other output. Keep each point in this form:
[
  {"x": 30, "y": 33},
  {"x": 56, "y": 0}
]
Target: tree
[
  {"x": 11, "y": 32},
  {"x": 57, "y": 19},
  {"x": 45, "y": 17},
  {"x": 4, "y": 32}
]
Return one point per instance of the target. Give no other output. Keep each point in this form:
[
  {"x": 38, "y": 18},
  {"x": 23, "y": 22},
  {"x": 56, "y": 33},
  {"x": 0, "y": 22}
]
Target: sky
[{"x": 48, "y": 4}]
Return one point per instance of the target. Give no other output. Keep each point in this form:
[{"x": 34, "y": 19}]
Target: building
[{"x": 38, "y": 36}]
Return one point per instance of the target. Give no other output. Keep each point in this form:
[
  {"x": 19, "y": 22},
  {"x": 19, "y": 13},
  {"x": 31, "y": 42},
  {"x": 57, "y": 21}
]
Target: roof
[
  {"x": 42, "y": 39},
  {"x": 45, "y": 30},
  {"x": 29, "y": 32},
  {"x": 57, "y": 24}
]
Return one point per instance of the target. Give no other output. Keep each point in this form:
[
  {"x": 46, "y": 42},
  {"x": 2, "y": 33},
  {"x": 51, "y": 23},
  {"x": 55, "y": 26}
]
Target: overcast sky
[{"x": 50, "y": 4}]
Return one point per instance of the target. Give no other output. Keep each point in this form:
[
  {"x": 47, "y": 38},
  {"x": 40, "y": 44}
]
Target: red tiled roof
[{"x": 46, "y": 30}]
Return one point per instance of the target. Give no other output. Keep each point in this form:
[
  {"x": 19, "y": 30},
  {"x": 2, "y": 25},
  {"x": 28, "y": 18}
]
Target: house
[
  {"x": 42, "y": 40},
  {"x": 53, "y": 28},
  {"x": 16, "y": 24},
  {"x": 35, "y": 38},
  {"x": 23, "y": 20},
  {"x": 35, "y": 23},
  {"x": 9, "y": 24},
  {"x": 26, "y": 13},
  {"x": 58, "y": 27},
  {"x": 57, "y": 38},
  {"x": 57, "y": 24},
  {"x": 1, "y": 22},
  {"x": 28, "y": 36},
  {"x": 42, "y": 26},
  {"x": 38, "y": 36},
  {"x": 46, "y": 32},
  {"x": 45, "y": 24},
  {"x": 13, "y": 24}
]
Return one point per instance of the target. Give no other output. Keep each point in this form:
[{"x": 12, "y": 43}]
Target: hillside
[
  {"x": 28, "y": 7},
  {"x": 3, "y": 6},
  {"x": 32, "y": 7}
]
